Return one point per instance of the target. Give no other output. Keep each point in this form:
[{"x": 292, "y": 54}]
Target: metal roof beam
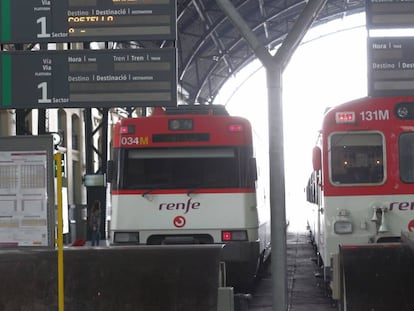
[
  {"x": 296, "y": 34},
  {"x": 208, "y": 23}
]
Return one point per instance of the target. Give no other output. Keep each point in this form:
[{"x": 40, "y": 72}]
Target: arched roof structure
[{"x": 210, "y": 49}]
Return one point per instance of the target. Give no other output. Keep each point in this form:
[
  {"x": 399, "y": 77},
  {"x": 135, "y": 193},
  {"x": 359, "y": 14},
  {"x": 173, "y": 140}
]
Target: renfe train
[
  {"x": 188, "y": 175},
  {"x": 362, "y": 190}
]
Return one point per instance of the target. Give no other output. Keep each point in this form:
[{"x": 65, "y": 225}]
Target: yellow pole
[{"x": 61, "y": 293}]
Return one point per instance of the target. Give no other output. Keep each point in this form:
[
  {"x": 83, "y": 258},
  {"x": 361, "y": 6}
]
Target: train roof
[{"x": 197, "y": 109}]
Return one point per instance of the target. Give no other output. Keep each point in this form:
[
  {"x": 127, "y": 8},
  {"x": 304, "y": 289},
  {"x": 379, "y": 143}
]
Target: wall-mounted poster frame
[{"x": 27, "y": 217}]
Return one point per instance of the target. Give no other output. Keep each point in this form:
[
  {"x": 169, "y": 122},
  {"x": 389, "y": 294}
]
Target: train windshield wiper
[
  {"x": 153, "y": 187},
  {"x": 193, "y": 190},
  {"x": 147, "y": 192}
]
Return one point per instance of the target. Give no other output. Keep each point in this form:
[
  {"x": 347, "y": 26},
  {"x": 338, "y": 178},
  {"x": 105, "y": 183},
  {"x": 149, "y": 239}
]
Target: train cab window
[
  {"x": 174, "y": 168},
  {"x": 356, "y": 158},
  {"x": 406, "y": 156}
]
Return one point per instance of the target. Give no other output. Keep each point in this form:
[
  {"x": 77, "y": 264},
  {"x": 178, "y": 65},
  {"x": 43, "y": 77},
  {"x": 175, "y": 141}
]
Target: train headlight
[
  {"x": 402, "y": 112},
  {"x": 343, "y": 226},
  {"x": 180, "y": 124},
  {"x": 343, "y": 117},
  {"x": 235, "y": 128},
  {"x": 126, "y": 237},
  {"x": 234, "y": 235},
  {"x": 127, "y": 129}
]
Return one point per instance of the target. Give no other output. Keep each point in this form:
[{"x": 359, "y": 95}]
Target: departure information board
[
  {"x": 388, "y": 14},
  {"x": 86, "y": 20},
  {"x": 27, "y": 214},
  {"x": 391, "y": 66},
  {"x": 88, "y": 78}
]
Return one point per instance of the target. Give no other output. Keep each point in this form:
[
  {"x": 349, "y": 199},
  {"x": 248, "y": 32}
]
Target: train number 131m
[{"x": 375, "y": 115}]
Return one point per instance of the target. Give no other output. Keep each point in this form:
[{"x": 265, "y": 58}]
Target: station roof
[{"x": 210, "y": 49}]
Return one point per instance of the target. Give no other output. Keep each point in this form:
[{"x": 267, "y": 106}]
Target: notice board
[{"x": 26, "y": 192}]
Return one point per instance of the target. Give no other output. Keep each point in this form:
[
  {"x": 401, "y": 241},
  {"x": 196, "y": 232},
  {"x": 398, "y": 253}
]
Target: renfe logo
[
  {"x": 185, "y": 206},
  {"x": 402, "y": 206},
  {"x": 411, "y": 225},
  {"x": 179, "y": 221}
]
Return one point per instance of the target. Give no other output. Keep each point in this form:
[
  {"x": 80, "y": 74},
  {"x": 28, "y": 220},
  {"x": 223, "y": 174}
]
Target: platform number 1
[
  {"x": 43, "y": 32},
  {"x": 43, "y": 99}
]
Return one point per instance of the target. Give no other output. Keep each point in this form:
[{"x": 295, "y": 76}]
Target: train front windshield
[
  {"x": 356, "y": 158},
  {"x": 183, "y": 168}
]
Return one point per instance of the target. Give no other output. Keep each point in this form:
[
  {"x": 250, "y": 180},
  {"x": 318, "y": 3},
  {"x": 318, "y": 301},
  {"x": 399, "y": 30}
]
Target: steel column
[{"x": 274, "y": 68}]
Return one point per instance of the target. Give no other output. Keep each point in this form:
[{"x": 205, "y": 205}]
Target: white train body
[
  {"x": 190, "y": 185},
  {"x": 362, "y": 185}
]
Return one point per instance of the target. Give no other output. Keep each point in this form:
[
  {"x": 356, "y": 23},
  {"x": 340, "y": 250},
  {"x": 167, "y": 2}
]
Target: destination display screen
[
  {"x": 385, "y": 14},
  {"x": 86, "y": 20},
  {"x": 88, "y": 78},
  {"x": 391, "y": 66}
]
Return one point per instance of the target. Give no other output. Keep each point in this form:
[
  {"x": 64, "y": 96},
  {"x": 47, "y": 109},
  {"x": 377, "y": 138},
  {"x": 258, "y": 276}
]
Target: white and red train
[
  {"x": 362, "y": 192},
  {"x": 187, "y": 175}
]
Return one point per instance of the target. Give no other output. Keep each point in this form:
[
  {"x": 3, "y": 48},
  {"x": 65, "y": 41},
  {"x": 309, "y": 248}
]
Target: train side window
[{"x": 406, "y": 157}]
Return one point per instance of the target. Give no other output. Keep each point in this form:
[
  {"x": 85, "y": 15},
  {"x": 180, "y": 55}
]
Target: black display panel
[
  {"x": 386, "y": 14},
  {"x": 391, "y": 66},
  {"x": 88, "y": 78},
  {"x": 86, "y": 20}
]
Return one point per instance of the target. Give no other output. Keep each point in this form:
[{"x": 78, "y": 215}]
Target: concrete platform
[
  {"x": 150, "y": 278},
  {"x": 21, "y": 279},
  {"x": 305, "y": 291}
]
